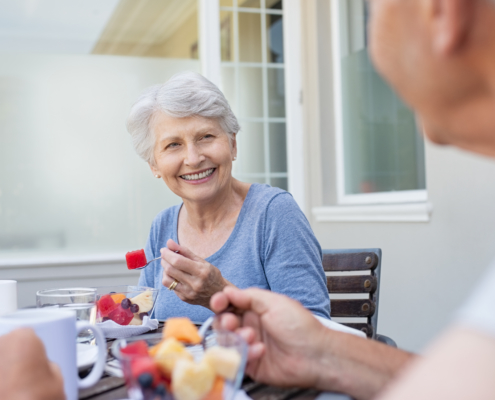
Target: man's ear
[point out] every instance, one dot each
(452, 22)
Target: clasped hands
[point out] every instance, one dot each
(197, 279)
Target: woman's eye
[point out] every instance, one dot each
(172, 145)
(207, 136)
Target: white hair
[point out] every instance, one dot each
(186, 94)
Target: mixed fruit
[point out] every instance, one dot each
(123, 310)
(168, 367)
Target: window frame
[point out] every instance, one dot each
(391, 197)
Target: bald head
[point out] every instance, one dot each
(439, 55)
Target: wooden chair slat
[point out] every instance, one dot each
(352, 308)
(352, 284)
(350, 261)
(366, 328)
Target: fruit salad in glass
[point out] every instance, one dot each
(178, 365)
(125, 305)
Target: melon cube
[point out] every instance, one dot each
(121, 316)
(225, 361)
(135, 259)
(105, 305)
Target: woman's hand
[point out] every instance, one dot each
(198, 279)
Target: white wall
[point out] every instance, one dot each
(428, 268)
(70, 182)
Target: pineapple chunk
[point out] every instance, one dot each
(144, 301)
(192, 381)
(225, 361)
(168, 352)
(135, 321)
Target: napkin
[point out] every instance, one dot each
(112, 330)
(339, 327)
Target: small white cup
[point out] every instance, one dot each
(58, 330)
(8, 297)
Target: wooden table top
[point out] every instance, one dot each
(113, 388)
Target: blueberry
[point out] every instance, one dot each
(125, 304)
(145, 380)
(160, 390)
(143, 314)
(135, 308)
(105, 319)
(113, 292)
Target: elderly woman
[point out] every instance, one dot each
(225, 232)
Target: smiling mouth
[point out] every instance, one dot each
(195, 177)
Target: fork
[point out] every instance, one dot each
(148, 263)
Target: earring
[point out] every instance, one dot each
(157, 176)
(235, 158)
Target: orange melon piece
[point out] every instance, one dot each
(216, 392)
(118, 297)
(181, 329)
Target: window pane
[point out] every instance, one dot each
(69, 178)
(250, 149)
(226, 36)
(273, 4)
(382, 149)
(251, 92)
(276, 92)
(249, 3)
(228, 87)
(280, 182)
(278, 148)
(275, 38)
(225, 3)
(249, 37)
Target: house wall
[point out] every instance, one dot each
(58, 215)
(428, 269)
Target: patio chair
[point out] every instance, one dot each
(352, 272)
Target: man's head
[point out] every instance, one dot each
(440, 56)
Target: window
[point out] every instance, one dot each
(252, 69)
(380, 154)
(69, 72)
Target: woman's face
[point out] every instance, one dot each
(193, 156)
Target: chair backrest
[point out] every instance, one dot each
(347, 261)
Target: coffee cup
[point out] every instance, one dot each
(58, 330)
(8, 296)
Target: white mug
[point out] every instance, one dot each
(58, 330)
(8, 297)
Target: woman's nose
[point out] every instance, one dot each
(193, 156)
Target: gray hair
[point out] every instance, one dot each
(186, 94)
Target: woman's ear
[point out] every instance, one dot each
(155, 172)
(452, 21)
(234, 146)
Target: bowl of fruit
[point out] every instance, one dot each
(180, 365)
(125, 305)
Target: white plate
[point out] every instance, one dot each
(86, 356)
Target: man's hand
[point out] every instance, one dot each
(26, 373)
(284, 337)
(290, 347)
(198, 279)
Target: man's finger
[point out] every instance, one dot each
(256, 300)
(219, 302)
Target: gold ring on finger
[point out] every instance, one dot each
(173, 285)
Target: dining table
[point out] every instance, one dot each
(111, 387)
